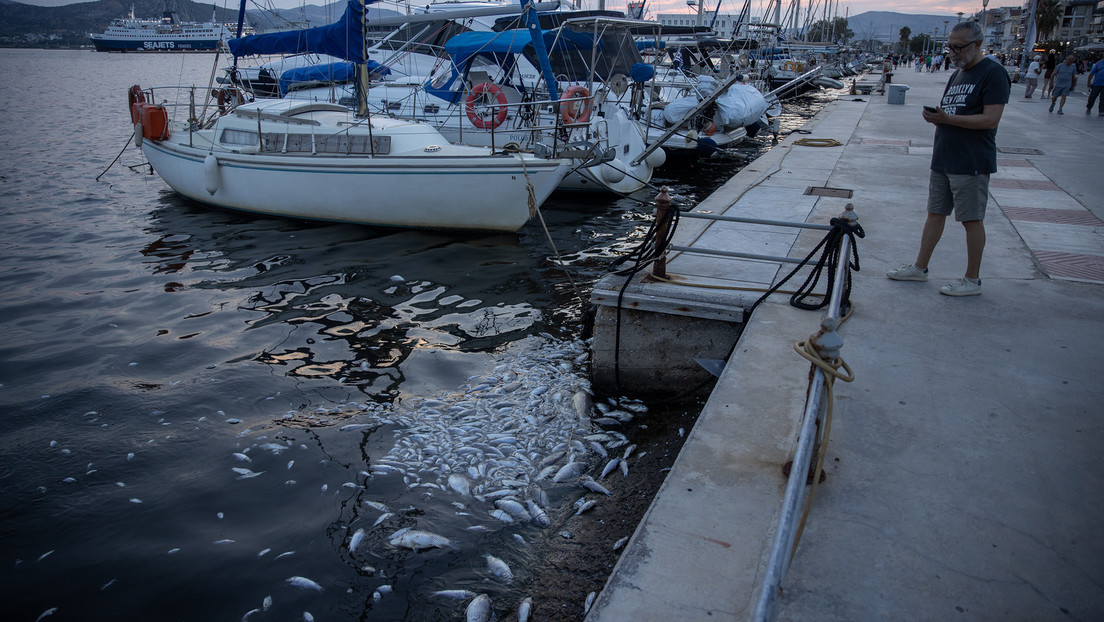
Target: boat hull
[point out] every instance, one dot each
(442, 193)
(154, 45)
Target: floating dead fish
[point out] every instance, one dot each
(625, 467)
(586, 506)
(620, 543)
(304, 583)
(454, 594)
(479, 609)
(356, 540)
(588, 482)
(49, 612)
(242, 457)
(307, 617)
(245, 618)
(628, 451)
(539, 515)
(382, 518)
(502, 516)
(525, 609)
(285, 554)
(244, 473)
(589, 602)
(266, 604)
(610, 467)
(514, 509)
(569, 471)
(417, 540)
(499, 569)
(460, 484)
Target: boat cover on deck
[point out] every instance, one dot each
(343, 38)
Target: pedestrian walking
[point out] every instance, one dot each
(1065, 79)
(1048, 72)
(963, 156)
(1034, 70)
(1096, 86)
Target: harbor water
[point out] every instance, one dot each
(215, 416)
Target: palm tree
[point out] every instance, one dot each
(905, 33)
(1047, 16)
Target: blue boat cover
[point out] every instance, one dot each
(343, 38)
(343, 71)
(497, 45)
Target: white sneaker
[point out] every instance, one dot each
(907, 272)
(961, 287)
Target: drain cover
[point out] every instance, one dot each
(824, 191)
(1020, 150)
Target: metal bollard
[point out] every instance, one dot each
(663, 207)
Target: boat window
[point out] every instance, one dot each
(336, 144)
(238, 137)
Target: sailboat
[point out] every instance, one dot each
(327, 162)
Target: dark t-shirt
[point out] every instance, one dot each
(961, 151)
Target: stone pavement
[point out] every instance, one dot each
(963, 478)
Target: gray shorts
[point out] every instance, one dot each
(965, 195)
(1059, 91)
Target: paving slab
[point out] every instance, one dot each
(962, 466)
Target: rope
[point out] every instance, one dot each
(818, 142)
(535, 209)
(125, 145)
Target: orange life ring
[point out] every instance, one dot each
(135, 96)
(576, 111)
(477, 93)
(710, 129)
(229, 98)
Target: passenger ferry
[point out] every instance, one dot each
(130, 34)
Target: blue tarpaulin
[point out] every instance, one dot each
(343, 71)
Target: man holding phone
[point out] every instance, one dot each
(963, 156)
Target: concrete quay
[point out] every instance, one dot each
(962, 468)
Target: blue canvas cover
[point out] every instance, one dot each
(343, 71)
(343, 38)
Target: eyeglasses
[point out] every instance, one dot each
(957, 49)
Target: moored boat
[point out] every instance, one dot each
(321, 162)
(131, 34)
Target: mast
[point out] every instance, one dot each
(532, 22)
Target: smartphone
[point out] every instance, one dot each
(930, 109)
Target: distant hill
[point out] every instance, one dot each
(886, 25)
(24, 25)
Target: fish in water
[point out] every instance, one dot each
(525, 609)
(569, 471)
(303, 583)
(460, 484)
(588, 482)
(479, 609)
(610, 467)
(417, 540)
(499, 569)
(356, 540)
(589, 602)
(454, 594)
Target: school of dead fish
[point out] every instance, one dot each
(497, 445)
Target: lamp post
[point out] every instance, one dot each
(960, 16)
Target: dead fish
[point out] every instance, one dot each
(499, 569)
(376, 505)
(589, 602)
(245, 617)
(266, 604)
(571, 470)
(525, 609)
(502, 516)
(479, 610)
(242, 457)
(628, 451)
(586, 506)
(610, 467)
(460, 484)
(588, 482)
(625, 467)
(382, 518)
(582, 403)
(454, 594)
(356, 540)
(303, 583)
(417, 540)
(307, 617)
(620, 543)
(514, 509)
(539, 515)
(49, 612)
(244, 473)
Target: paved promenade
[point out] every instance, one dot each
(964, 467)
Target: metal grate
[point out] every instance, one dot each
(824, 191)
(1020, 150)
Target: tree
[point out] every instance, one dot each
(833, 30)
(905, 33)
(920, 43)
(1047, 16)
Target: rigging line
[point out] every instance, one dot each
(537, 208)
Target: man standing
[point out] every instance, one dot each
(1096, 84)
(1034, 70)
(963, 157)
(1065, 79)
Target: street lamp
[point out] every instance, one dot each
(960, 16)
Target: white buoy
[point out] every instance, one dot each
(138, 134)
(612, 174)
(211, 173)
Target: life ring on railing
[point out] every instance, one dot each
(479, 92)
(577, 111)
(229, 99)
(135, 96)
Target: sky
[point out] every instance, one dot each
(852, 7)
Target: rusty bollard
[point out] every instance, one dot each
(663, 220)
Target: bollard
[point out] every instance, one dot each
(663, 207)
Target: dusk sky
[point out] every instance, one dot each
(854, 7)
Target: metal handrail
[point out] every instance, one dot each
(810, 442)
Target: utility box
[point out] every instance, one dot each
(897, 93)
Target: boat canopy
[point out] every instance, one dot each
(343, 39)
(498, 45)
(341, 71)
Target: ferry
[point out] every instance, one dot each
(130, 34)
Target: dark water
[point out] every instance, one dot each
(147, 340)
